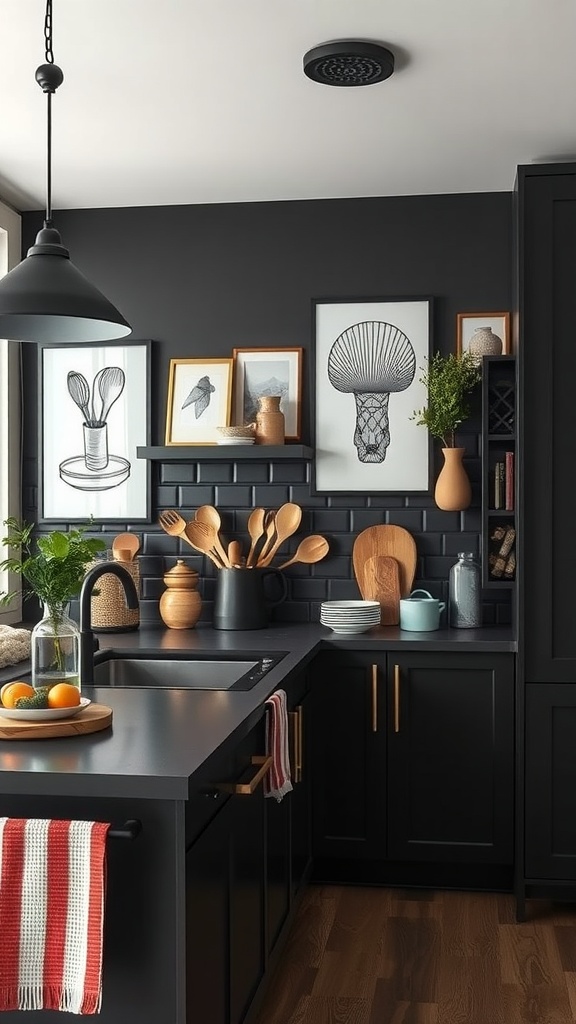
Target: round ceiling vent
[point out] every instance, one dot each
(349, 62)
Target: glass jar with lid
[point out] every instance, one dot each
(465, 592)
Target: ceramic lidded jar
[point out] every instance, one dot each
(270, 424)
(180, 604)
(485, 343)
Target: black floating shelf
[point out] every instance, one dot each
(499, 512)
(502, 438)
(227, 453)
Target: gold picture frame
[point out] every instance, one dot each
(199, 400)
(467, 323)
(264, 371)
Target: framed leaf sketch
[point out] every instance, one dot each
(269, 371)
(199, 400)
(94, 402)
(368, 359)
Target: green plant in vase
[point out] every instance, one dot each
(449, 381)
(53, 566)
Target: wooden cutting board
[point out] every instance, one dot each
(92, 719)
(380, 542)
(382, 583)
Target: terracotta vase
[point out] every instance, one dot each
(270, 425)
(453, 492)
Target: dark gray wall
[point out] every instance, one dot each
(200, 280)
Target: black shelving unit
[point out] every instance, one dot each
(499, 425)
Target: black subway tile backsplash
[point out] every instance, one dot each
(236, 488)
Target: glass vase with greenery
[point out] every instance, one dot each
(449, 380)
(53, 566)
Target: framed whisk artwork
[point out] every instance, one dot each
(368, 361)
(94, 413)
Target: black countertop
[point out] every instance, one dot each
(160, 737)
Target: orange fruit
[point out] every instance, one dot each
(63, 695)
(12, 691)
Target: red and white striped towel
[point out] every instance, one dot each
(277, 781)
(52, 876)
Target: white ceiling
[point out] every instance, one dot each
(205, 101)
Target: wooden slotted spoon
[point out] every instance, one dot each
(201, 537)
(209, 516)
(174, 524)
(310, 549)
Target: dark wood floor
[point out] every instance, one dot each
(390, 956)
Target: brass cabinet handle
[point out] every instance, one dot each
(374, 698)
(396, 698)
(248, 788)
(296, 757)
(300, 747)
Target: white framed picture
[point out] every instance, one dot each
(468, 323)
(94, 413)
(199, 400)
(369, 355)
(269, 371)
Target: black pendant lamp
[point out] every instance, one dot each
(45, 298)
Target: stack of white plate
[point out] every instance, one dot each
(350, 616)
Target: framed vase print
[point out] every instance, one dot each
(368, 359)
(94, 413)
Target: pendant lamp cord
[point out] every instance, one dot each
(49, 60)
(49, 77)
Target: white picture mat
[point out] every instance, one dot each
(497, 325)
(406, 466)
(62, 432)
(185, 428)
(255, 368)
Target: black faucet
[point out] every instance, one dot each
(86, 634)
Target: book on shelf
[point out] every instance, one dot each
(499, 485)
(509, 482)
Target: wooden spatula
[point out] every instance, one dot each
(381, 582)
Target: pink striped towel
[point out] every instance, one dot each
(277, 781)
(52, 876)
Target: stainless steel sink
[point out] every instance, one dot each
(197, 672)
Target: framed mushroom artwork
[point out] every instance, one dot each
(368, 362)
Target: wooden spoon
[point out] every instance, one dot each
(125, 542)
(310, 549)
(209, 516)
(235, 554)
(269, 529)
(201, 537)
(256, 530)
(287, 522)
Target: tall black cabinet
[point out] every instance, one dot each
(546, 235)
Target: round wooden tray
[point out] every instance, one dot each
(94, 718)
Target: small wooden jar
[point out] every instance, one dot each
(180, 604)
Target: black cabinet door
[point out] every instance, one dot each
(277, 866)
(348, 757)
(207, 925)
(300, 798)
(547, 356)
(550, 786)
(450, 757)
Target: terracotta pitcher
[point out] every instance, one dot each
(453, 492)
(270, 425)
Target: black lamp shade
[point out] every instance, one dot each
(46, 299)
